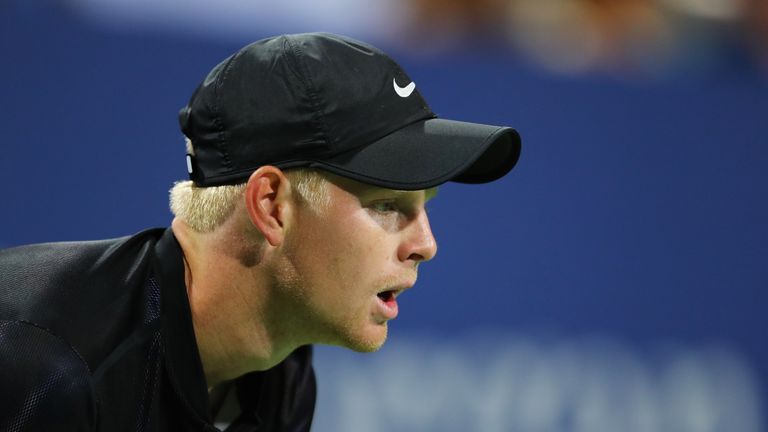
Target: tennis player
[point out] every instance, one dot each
(310, 160)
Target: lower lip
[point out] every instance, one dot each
(388, 308)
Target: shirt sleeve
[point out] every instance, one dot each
(46, 385)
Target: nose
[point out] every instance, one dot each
(419, 243)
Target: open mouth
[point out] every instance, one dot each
(388, 304)
(387, 296)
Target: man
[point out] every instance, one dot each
(311, 158)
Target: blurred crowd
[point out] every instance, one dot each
(645, 37)
(634, 36)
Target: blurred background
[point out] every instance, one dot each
(614, 281)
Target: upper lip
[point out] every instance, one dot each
(399, 288)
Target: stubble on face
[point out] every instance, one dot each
(335, 261)
(324, 275)
(349, 328)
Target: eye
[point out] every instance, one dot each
(384, 206)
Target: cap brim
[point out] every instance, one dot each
(429, 153)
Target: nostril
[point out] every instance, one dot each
(416, 257)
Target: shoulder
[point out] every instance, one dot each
(45, 381)
(93, 294)
(41, 282)
(42, 265)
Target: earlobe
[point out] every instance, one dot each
(266, 198)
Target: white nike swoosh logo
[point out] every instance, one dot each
(406, 91)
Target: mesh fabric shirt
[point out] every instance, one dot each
(98, 336)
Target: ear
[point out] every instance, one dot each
(268, 200)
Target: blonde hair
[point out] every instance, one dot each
(205, 208)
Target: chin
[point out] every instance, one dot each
(370, 341)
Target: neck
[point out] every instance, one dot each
(231, 305)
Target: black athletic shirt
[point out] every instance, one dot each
(98, 336)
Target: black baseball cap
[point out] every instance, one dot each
(330, 102)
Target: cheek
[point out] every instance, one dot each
(355, 238)
(368, 247)
(354, 261)
(351, 271)
(344, 252)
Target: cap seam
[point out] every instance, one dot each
(313, 94)
(218, 120)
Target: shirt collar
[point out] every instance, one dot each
(182, 362)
